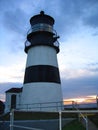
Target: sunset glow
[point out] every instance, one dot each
(82, 100)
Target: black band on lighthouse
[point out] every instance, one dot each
(42, 73)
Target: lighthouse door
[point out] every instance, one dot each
(13, 101)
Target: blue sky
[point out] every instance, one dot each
(76, 22)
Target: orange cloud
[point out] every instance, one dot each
(82, 100)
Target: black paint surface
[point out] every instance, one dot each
(42, 73)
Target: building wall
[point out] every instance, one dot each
(8, 101)
(42, 55)
(44, 96)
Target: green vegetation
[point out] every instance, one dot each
(49, 115)
(74, 125)
(37, 115)
(30, 116)
(94, 119)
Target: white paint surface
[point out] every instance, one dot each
(8, 100)
(44, 94)
(41, 94)
(42, 55)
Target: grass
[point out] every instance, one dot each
(74, 125)
(30, 116)
(45, 115)
(37, 115)
(94, 119)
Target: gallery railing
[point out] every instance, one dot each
(48, 106)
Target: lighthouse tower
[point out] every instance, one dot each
(42, 85)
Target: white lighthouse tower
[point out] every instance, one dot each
(42, 85)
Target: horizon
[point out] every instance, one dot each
(91, 99)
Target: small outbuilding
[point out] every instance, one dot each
(13, 98)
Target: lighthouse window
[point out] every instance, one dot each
(27, 43)
(42, 27)
(56, 43)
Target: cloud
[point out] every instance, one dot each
(14, 25)
(69, 72)
(73, 14)
(7, 85)
(93, 67)
(92, 16)
(68, 14)
(79, 82)
(92, 20)
(14, 20)
(12, 73)
(8, 5)
(80, 86)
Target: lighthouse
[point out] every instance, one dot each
(42, 84)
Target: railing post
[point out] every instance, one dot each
(86, 123)
(11, 119)
(60, 120)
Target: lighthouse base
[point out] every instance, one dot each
(41, 97)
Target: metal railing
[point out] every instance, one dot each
(59, 118)
(80, 114)
(27, 43)
(12, 126)
(46, 106)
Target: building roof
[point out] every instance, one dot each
(14, 90)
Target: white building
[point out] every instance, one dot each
(13, 98)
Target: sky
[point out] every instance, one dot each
(76, 22)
